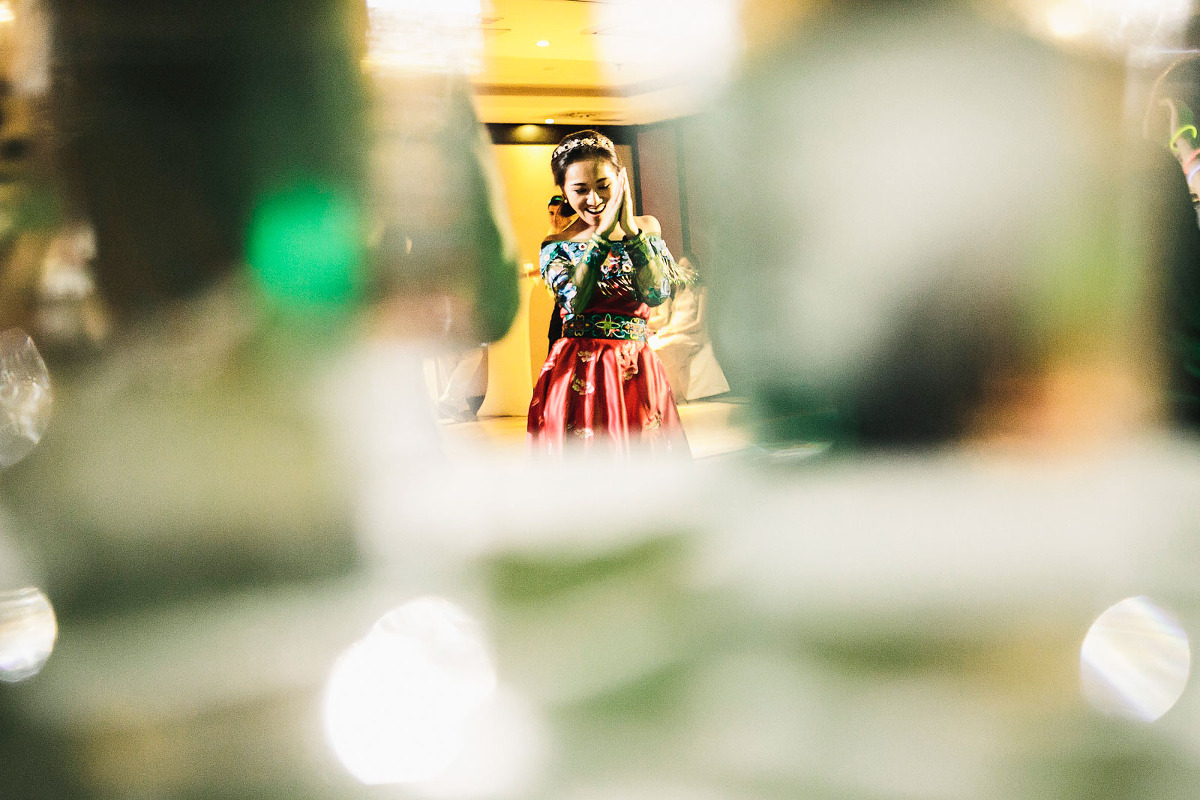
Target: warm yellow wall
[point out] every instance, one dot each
(525, 170)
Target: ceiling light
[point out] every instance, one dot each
(527, 133)
(549, 122)
(543, 43)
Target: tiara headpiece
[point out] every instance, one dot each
(599, 142)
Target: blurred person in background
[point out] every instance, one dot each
(1170, 127)
(561, 217)
(1171, 117)
(561, 214)
(466, 384)
(679, 335)
(902, 287)
(204, 471)
(601, 385)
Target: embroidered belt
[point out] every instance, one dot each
(605, 326)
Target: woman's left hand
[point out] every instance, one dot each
(626, 216)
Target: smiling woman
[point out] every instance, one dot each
(601, 382)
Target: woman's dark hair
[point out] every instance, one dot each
(580, 146)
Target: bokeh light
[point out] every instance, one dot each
(399, 702)
(1116, 25)
(1135, 661)
(25, 399)
(305, 245)
(28, 630)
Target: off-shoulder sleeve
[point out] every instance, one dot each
(572, 280)
(653, 268)
(556, 272)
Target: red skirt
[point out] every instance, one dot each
(610, 394)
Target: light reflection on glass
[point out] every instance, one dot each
(24, 396)
(1135, 661)
(1118, 25)
(399, 702)
(28, 630)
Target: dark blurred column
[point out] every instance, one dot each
(179, 119)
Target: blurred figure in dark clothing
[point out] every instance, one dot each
(561, 216)
(1180, 283)
(1170, 127)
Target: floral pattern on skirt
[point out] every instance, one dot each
(606, 394)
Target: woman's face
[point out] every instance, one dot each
(588, 186)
